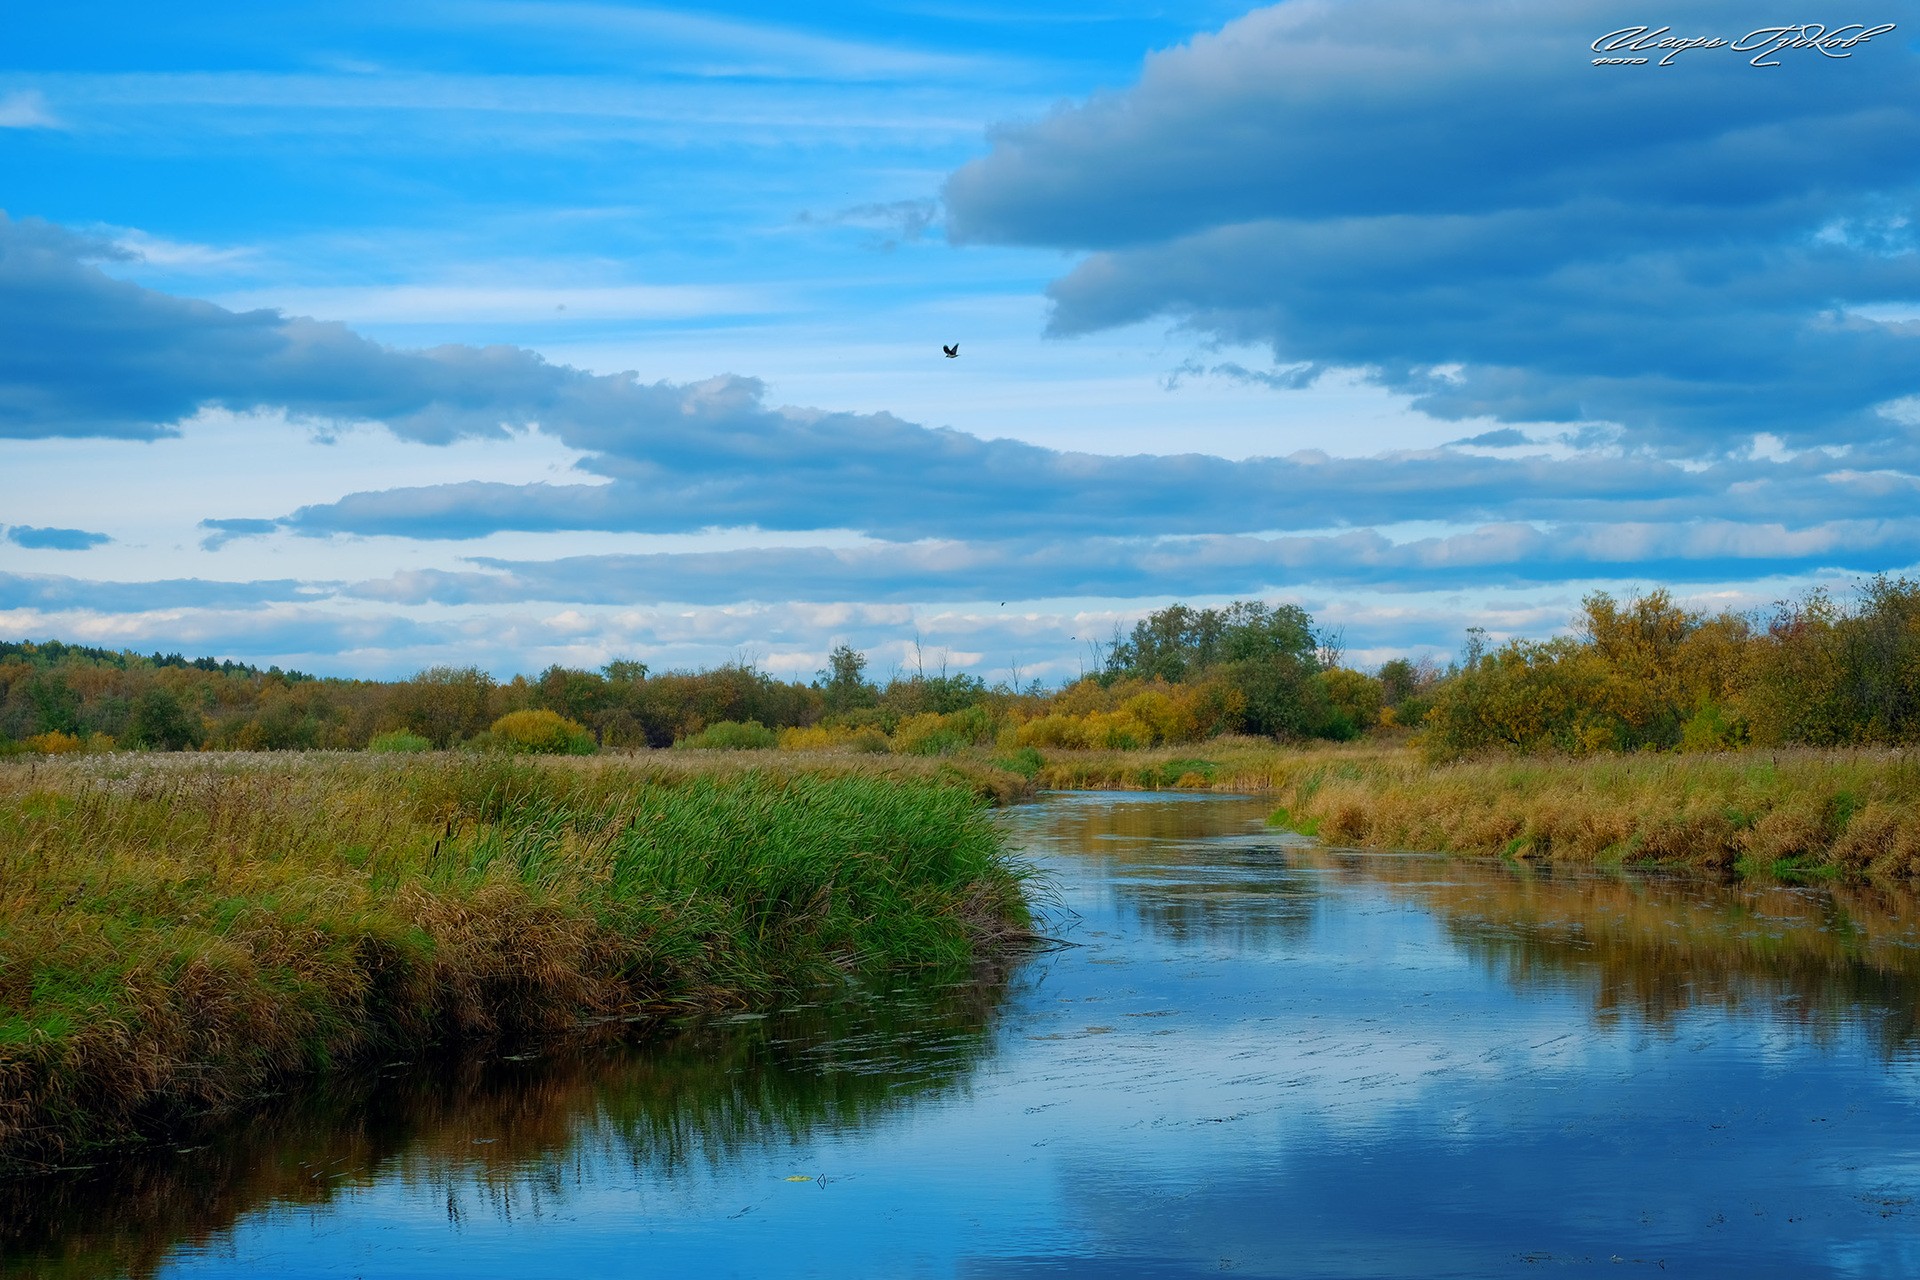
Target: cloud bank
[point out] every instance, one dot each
(1454, 198)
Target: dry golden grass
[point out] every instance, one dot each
(1228, 763)
(1793, 811)
(1786, 812)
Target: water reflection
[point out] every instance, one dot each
(1654, 947)
(1648, 946)
(1186, 868)
(512, 1135)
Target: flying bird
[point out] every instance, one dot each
(953, 352)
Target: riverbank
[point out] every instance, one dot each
(1787, 813)
(178, 933)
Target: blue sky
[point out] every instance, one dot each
(366, 337)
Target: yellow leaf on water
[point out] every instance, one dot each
(799, 1177)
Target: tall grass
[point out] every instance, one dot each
(1801, 812)
(1228, 763)
(178, 933)
(1789, 813)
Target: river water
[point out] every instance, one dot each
(1254, 1058)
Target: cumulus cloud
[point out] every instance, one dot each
(222, 531)
(40, 538)
(949, 516)
(1455, 199)
(90, 355)
(94, 355)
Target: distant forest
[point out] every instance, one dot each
(1636, 674)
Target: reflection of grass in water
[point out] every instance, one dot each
(1186, 868)
(176, 935)
(492, 1137)
(1655, 947)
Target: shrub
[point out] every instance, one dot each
(540, 732)
(1353, 695)
(933, 734)
(1117, 731)
(1052, 730)
(813, 737)
(732, 735)
(399, 740)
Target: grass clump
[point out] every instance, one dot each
(398, 742)
(176, 935)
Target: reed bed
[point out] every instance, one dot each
(1230, 763)
(1787, 813)
(178, 934)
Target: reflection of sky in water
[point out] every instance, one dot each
(1258, 1060)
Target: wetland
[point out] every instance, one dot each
(1246, 1054)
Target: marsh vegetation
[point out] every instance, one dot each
(179, 933)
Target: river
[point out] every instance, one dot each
(1249, 1056)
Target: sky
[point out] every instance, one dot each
(361, 338)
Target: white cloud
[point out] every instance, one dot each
(504, 303)
(162, 252)
(27, 109)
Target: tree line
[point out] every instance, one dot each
(1636, 674)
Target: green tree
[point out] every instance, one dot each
(575, 695)
(844, 681)
(160, 723)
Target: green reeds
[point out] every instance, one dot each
(177, 933)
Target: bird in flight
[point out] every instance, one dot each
(953, 352)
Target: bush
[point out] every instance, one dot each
(540, 732)
(54, 743)
(400, 740)
(732, 735)
(1352, 695)
(1052, 730)
(934, 734)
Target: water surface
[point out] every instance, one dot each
(1256, 1058)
